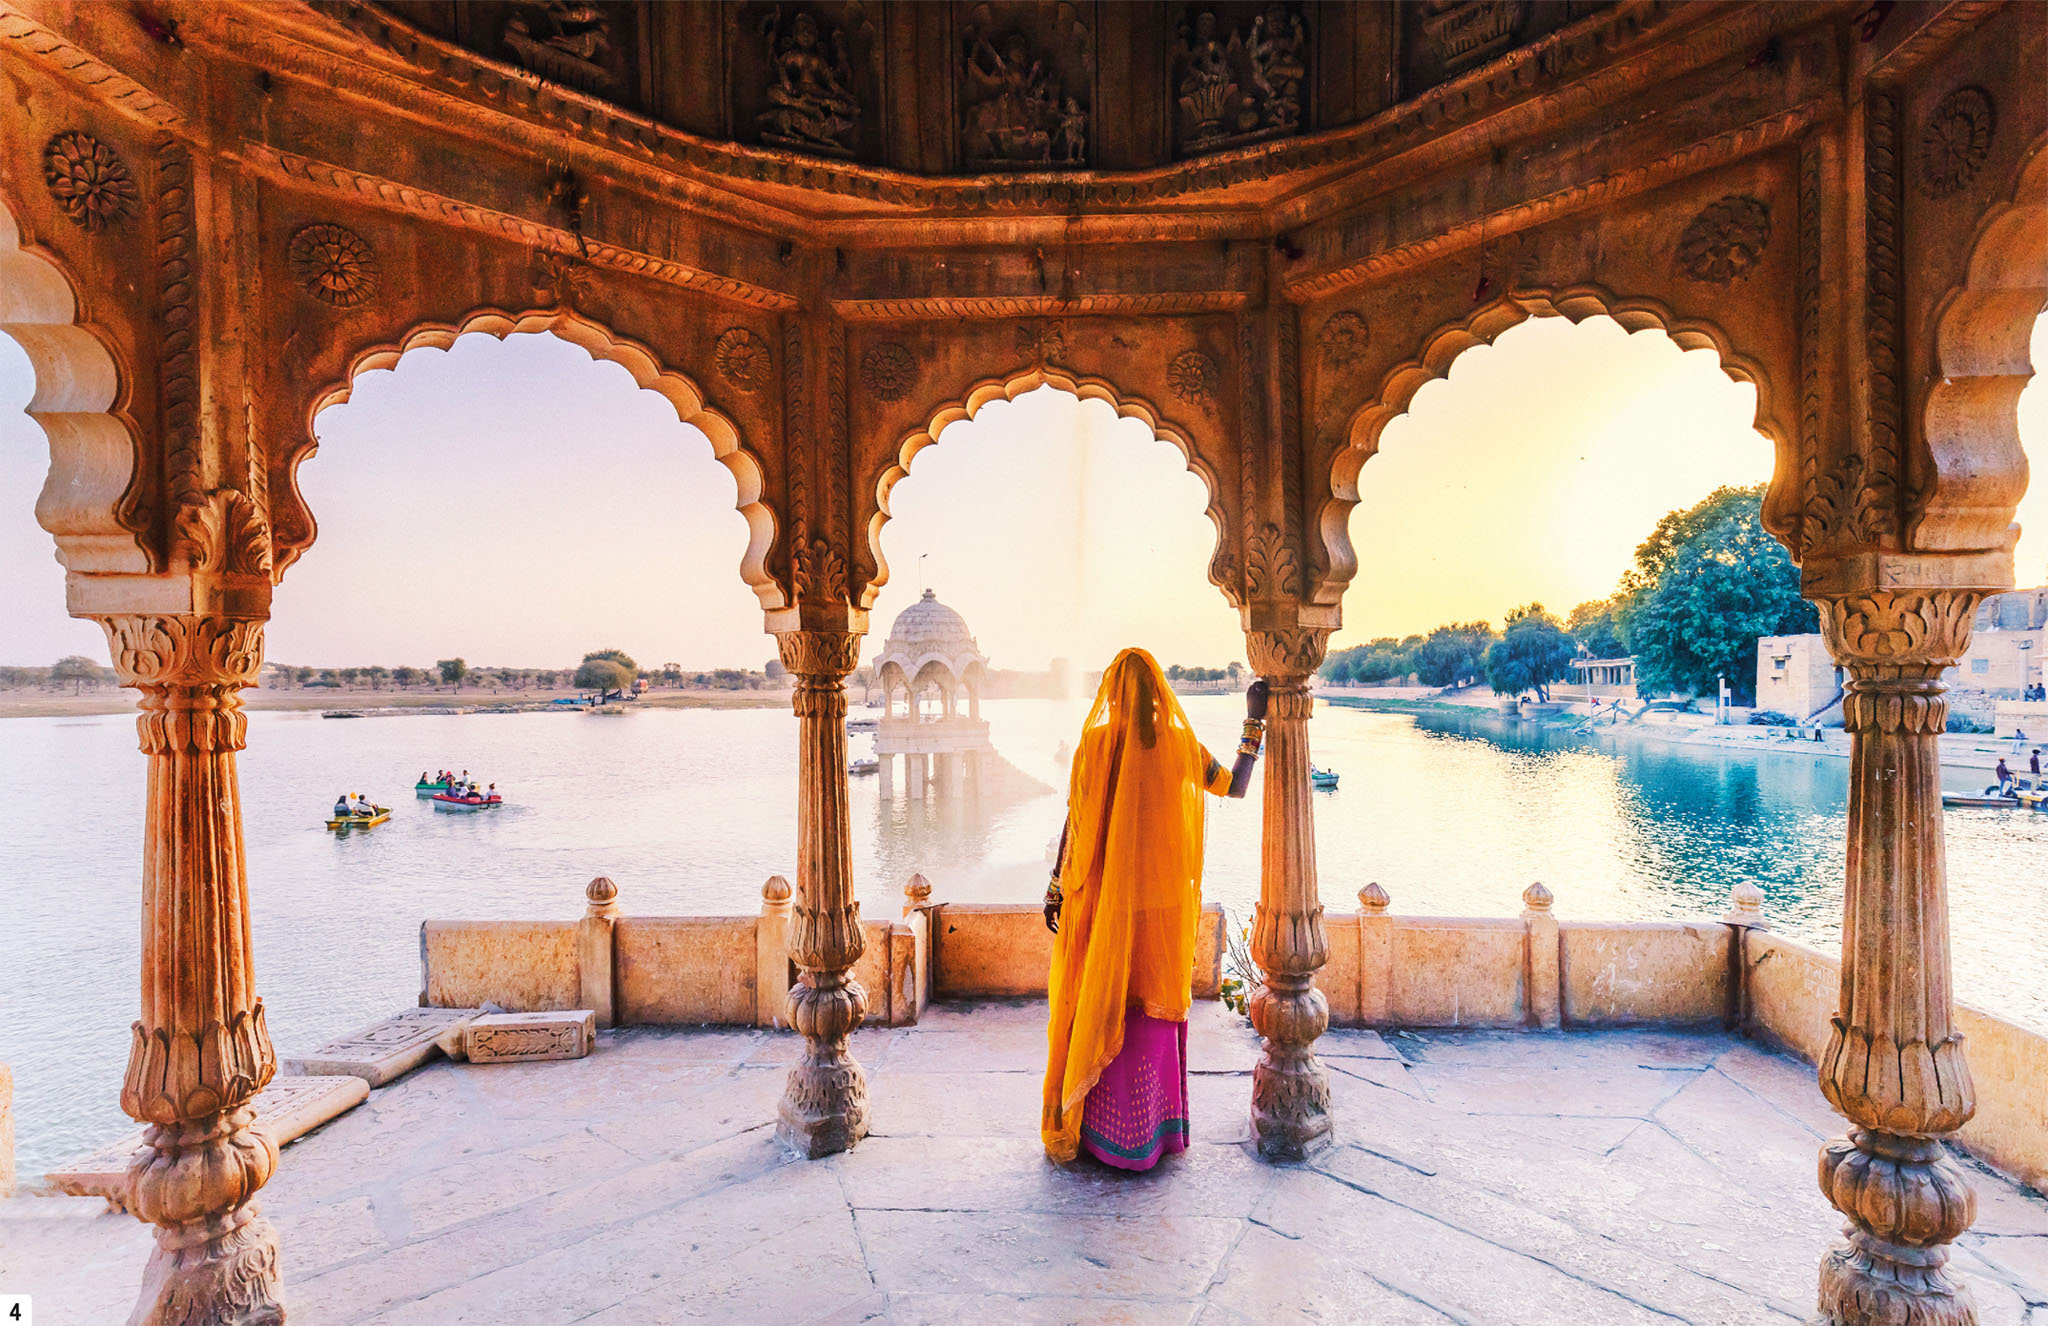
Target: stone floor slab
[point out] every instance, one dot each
(1483, 1178)
(385, 1050)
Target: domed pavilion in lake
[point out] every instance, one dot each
(933, 667)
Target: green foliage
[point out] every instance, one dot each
(79, 670)
(1383, 660)
(1707, 582)
(1597, 626)
(1240, 973)
(1453, 655)
(1533, 652)
(452, 670)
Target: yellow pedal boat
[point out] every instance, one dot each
(360, 821)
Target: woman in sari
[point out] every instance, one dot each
(1122, 907)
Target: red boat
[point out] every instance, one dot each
(472, 801)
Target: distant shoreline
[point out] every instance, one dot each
(120, 700)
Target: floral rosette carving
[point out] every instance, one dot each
(742, 359)
(1954, 141)
(1343, 339)
(887, 371)
(333, 263)
(1726, 240)
(88, 181)
(1193, 377)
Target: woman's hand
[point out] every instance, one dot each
(1255, 698)
(1052, 914)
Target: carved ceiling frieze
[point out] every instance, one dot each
(1955, 140)
(1041, 342)
(333, 263)
(1027, 79)
(89, 181)
(1726, 240)
(1237, 79)
(815, 77)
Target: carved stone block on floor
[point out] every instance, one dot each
(386, 1050)
(288, 1108)
(503, 1038)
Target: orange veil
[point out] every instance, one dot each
(1132, 878)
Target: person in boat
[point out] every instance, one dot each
(343, 807)
(491, 794)
(2004, 777)
(2034, 763)
(1122, 906)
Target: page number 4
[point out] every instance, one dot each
(16, 1310)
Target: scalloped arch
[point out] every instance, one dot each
(595, 339)
(78, 383)
(969, 404)
(1983, 363)
(1483, 327)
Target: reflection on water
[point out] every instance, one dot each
(690, 810)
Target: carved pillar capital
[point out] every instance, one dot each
(820, 658)
(1290, 654)
(191, 671)
(1894, 1061)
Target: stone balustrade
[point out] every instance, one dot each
(1534, 972)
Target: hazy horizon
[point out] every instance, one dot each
(518, 505)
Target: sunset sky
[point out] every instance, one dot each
(518, 504)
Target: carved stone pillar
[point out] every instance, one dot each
(825, 1108)
(201, 1051)
(1894, 1062)
(1290, 1090)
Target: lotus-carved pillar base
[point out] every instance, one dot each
(200, 1050)
(825, 1107)
(1894, 1061)
(1290, 1089)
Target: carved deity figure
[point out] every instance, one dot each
(1278, 68)
(814, 107)
(1207, 92)
(1019, 110)
(566, 40)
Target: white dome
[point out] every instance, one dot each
(929, 626)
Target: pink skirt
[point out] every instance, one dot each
(1138, 1112)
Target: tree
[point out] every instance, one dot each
(303, 675)
(406, 676)
(452, 671)
(607, 671)
(1596, 626)
(77, 669)
(1710, 580)
(1452, 655)
(349, 676)
(1533, 652)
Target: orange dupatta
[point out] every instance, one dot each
(1132, 880)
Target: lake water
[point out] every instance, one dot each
(690, 810)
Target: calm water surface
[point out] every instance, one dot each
(690, 810)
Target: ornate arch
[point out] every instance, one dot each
(597, 340)
(1577, 303)
(969, 404)
(86, 500)
(1982, 363)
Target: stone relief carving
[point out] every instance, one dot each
(1955, 141)
(1270, 564)
(742, 359)
(1023, 107)
(817, 571)
(1193, 376)
(1041, 342)
(1239, 85)
(1464, 33)
(224, 531)
(1725, 240)
(89, 181)
(557, 279)
(566, 40)
(333, 263)
(887, 371)
(1343, 339)
(812, 107)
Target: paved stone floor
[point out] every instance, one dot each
(1588, 1179)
